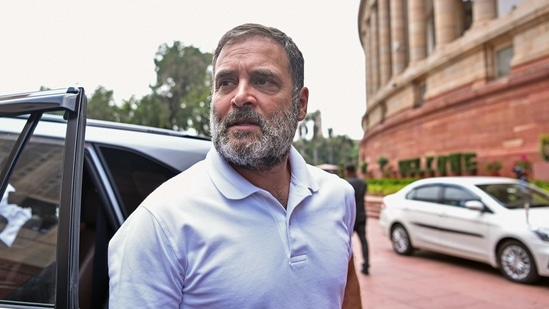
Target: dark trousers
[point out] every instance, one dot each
(360, 229)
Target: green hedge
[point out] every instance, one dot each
(386, 186)
(542, 184)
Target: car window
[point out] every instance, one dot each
(95, 232)
(134, 175)
(40, 189)
(29, 219)
(456, 196)
(430, 193)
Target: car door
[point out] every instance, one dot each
(422, 213)
(115, 181)
(463, 231)
(40, 185)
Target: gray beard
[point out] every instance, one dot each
(256, 152)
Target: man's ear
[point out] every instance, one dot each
(303, 102)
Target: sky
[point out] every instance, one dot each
(57, 44)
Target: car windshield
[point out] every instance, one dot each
(514, 195)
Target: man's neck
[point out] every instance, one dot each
(276, 180)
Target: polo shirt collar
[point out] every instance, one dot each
(233, 186)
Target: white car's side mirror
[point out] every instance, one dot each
(474, 205)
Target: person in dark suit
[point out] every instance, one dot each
(360, 187)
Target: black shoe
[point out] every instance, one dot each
(365, 271)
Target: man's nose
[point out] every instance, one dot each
(244, 95)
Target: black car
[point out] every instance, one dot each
(67, 184)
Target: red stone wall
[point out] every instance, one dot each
(498, 120)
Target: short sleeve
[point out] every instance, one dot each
(144, 269)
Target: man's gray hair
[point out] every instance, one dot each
(245, 31)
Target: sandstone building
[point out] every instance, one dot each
(450, 77)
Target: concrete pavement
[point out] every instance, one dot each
(429, 280)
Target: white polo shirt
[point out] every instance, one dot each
(208, 238)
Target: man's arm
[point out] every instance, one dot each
(352, 299)
(143, 278)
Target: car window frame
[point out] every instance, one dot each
(73, 103)
(106, 190)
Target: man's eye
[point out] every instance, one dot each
(262, 81)
(223, 83)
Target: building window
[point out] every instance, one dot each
(503, 57)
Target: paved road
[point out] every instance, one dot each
(428, 280)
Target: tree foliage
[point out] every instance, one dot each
(101, 105)
(180, 100)
(148, 111)
(338, 150)
(183, 84)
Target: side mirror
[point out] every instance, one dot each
(475, 205)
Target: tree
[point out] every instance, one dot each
(337, 150)
(149, 111)
(382, 162)
(101, 105)
(183, 84)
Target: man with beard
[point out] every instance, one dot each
(253, 225)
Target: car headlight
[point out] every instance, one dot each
(543, 233)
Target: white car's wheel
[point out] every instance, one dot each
(516, 262)
(401, 240)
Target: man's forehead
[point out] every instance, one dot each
(258, 46)
(250, 44)
(250, 37)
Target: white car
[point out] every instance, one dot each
(500, 221)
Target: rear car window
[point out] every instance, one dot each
(134, 175)
(425, 193)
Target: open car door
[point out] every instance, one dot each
(40, 190)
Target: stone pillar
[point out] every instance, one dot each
(374, 46)
(445, 21)
(385, 70)
(367, 62)
(483, 11)
(417, 30)
(398, 36)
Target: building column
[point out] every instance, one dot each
(445, 21)
(374, 47)
(483, 11)
(367, 62)
(398, 36)
(385, 70)
(417, 30)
